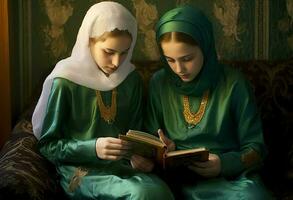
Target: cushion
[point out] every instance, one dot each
(24, 173)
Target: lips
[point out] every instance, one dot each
(185, 76)
(110, 69)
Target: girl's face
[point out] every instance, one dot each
(185, 60)
(110, 53)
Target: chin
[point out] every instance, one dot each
(110, 72)
(185, 79)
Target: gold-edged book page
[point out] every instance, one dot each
(177, 158)
(185, 151)
(145, 147)
(201, 151)
(139, 136)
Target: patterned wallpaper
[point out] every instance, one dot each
(242, 27)
(44, 32)
(281, 29)
(234, 31)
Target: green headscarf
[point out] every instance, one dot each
(192, 22)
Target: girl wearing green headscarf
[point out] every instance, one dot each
(194, 101)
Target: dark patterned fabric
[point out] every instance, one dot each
(27, 175)
(273, 87)
(24, 173)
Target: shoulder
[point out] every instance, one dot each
(134, 76)
(133, 81)
(59, 82)
(159, 76)
(233, 76)
(158, 81)
(237, 83)
(233, 73)
(63, 84)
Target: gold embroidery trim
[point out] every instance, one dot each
(194, 118)
(250, 158)
(76, 178)
(108, 113)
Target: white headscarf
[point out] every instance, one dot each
(80, 67)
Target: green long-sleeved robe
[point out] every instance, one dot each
(71, 127)
(230, 128)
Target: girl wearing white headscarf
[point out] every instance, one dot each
(87, 100)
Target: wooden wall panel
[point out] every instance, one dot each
(5, 116)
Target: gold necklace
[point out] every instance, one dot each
(194, 118)
(108, 113)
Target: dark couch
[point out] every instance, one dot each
(27, 175)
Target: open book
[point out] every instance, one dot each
(150, 146)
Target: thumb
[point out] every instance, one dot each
(162, 136)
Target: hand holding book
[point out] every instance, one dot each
(169, 143)
(142, 164)
(211, 168)
(110, 148)
(150, 146)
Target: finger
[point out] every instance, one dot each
(117, 146)
(144, 162)
(161, 133)
(113, 140)
(135, 158)
(138, 164)
(162, 136)
(200, 164)
(119, 141)
(134, 162)
(141, 158)
(126, 143)
(111, 152)
(111, 157)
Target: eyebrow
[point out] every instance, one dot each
(179, 57)
(113, 50)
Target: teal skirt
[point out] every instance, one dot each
(186, 185)
(112, 180)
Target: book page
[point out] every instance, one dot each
(145, 148)
(139, 136)
(185, 157)
(186, 152)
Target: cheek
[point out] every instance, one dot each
(100, 58)
(123, 58)
(172, 66)
(196, 66)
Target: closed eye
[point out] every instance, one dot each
(170, 60)
(187, 58)
(109, 52)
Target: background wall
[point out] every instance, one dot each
(44, 31)
(5, 102)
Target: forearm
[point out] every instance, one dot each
(68, 151)
(234, 162)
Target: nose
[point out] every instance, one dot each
(179, 67)
(116, 60)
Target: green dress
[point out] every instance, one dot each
(71, 127)
(230, 127)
